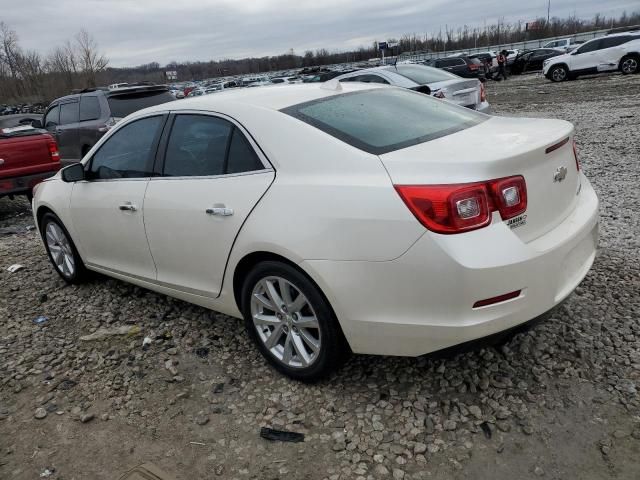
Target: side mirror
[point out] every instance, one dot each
(73, 173)
(36, 123)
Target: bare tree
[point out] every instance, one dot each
(89, 59)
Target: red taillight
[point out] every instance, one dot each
(464, 207)
(510, 196)
(473, 66)
(483, 93)
(54, 154)
(575, 154)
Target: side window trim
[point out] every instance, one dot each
(156, 141)
(168, 127)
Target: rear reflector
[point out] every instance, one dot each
(498, 299)
(556, 146)
(464, 207)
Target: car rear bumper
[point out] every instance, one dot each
(23, 184)
(424, 300)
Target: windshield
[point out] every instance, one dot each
(383, 120)
(123, 105)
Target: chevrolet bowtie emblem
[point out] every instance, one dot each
(560, 175)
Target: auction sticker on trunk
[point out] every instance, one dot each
(516, 222)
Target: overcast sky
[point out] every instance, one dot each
(133, 32)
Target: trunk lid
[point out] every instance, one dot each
(501, 147)
(461, 92)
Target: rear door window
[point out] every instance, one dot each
(590, 46)
(609, 42)
(89, 108)
(197, 146)
(203, 145)
(123, 104)
(68, 113)
(383, 120)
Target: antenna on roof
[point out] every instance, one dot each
(333, 84)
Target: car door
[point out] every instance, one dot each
(213, 175)
(67, 131)
(107, 207)
(585, 58)
(610, 52)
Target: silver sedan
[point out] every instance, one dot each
(432, 81)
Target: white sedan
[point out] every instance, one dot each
(335, 218)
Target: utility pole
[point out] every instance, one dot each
(548, 11)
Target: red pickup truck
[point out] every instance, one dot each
(27, 156)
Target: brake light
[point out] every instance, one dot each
(458, 208)
(575, 154)
(483, 93)
(54, 154)
(473, 66)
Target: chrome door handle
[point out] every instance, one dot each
(128, 207)
(222, 211)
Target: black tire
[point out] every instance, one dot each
(333, 349)
(629, 64)
(559, 73)
(79, 274)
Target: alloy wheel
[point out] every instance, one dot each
(559, 74)
(60, 249)
(285, 322)
(630, 65)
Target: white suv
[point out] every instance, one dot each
(620, 51)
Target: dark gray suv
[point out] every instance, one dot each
(77, 121)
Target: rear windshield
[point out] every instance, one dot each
(423, 75)
(382, 120)
(123, 105)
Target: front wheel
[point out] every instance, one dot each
(61, 249)
(291, 322)
(629, 65)
(559, 73)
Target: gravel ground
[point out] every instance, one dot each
(558, 400)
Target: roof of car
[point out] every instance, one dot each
(274, 97)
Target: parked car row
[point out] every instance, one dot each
(22, 108)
